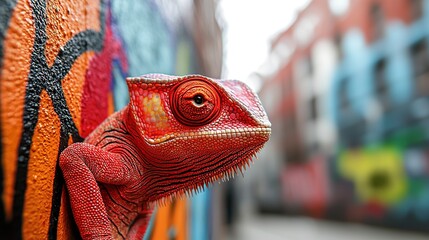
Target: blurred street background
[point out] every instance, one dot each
(304, 228)
(346, 86)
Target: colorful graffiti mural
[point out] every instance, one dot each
(63, 69)
(378, 175)
(360, 98)
(387, 183)
(378, 108)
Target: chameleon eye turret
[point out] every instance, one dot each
(195, 102)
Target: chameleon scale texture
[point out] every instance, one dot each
(177, 135)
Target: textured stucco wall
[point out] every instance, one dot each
(63, 69)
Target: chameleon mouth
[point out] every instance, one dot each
(226, 133)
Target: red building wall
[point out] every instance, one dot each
(359, 15)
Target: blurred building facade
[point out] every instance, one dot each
(347, 92)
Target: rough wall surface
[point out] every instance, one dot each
(62, 72)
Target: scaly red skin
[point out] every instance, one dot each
(177, 134)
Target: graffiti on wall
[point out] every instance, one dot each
(63, 65)
(389, 185)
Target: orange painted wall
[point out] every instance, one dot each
(56, 85)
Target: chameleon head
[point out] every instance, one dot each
(194, 130)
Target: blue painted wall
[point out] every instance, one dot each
(153, 44)
(395, 142)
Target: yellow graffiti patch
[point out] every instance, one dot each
(378, 174)
(154, 110)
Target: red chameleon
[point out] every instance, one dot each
(177, 135)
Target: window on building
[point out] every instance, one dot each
(416, 9)
(380, 84)
(351, 126)
(343, 97)
(307, 65)
(313, 108)
(338, 48)
(377, 21)
(292, 147)
(420, 61)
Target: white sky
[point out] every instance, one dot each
(250, 25)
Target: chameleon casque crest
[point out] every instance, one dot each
(176, 135)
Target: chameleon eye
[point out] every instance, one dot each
(195, 102)
(198, 99)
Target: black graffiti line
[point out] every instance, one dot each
(57, 190)
(43, 77)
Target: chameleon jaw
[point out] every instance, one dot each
(225, 133)
(221, 175)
